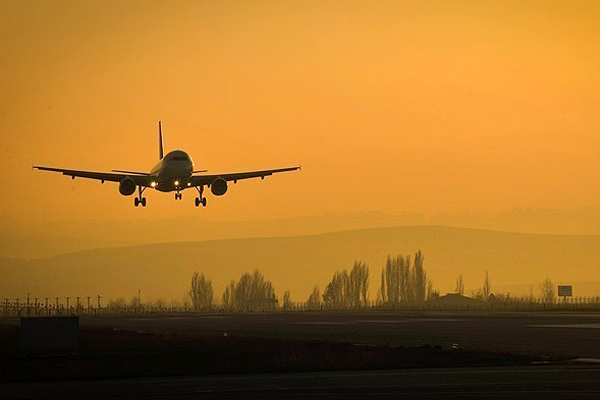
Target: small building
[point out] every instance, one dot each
(454, 298)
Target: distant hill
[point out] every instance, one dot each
(298, 263)
(36, 239)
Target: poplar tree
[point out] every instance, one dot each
(314, 300)
(201, 292)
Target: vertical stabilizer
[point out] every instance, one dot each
(160, 145)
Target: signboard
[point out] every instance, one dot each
(565, 291)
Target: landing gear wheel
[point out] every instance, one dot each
(140, 200)
(204, 202)
(197, 201)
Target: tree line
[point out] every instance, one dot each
(403, 280)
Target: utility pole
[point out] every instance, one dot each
(77, 309)
(98, 304)
(68, 304)
(88, 304)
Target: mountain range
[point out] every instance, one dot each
(297, 263)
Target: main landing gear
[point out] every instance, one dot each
(178, 196)
(140, 200)
(200, 199)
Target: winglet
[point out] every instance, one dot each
(160, 142)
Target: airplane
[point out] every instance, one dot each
(173, 173)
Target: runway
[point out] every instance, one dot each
(537, 382)
(545, 334)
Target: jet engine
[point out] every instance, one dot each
(127, 186)
(218, 187)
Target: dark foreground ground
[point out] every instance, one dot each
(499, 357)
(109, 353)
(549, 382)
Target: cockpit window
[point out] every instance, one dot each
(179, 158)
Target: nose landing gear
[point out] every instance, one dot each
(140, 200)
(200, 199)
(178, 196)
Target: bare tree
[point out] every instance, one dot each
(160, 304)
(252, 291)
(358, 285)
(119, 305)
(547, 291)
(135, 303)
(287, 301)
(336, 292)
(201, 292)
(228, 295)
(390, 280)
(430, 291)
(314, 300)
(401, 282)
(419, 277)
(382, 288)
(406, 290)
(486, 290)
(460, 285)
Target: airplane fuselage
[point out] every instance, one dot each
(173, 172)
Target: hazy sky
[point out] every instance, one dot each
(396, 106)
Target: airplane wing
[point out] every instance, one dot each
(140, 180)
(199, 180)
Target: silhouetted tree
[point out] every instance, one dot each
(390, 280)
(382, 295)
(201, 292)
(419, 277)
(160, 304)
(547, 291)
(287, 301)
(228, 295)
(406, 290)
(460, 285)
(135, 303)
(433, 294)
(401, 282)
(430, 292)
(252, 291)
(358, 285)
(336, 291)
(314, 300)
(117, 305)
(486, 290)
(348, 289)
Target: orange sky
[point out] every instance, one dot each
(396, 106)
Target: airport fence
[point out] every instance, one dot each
(92, 306)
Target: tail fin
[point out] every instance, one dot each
(160, 144)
